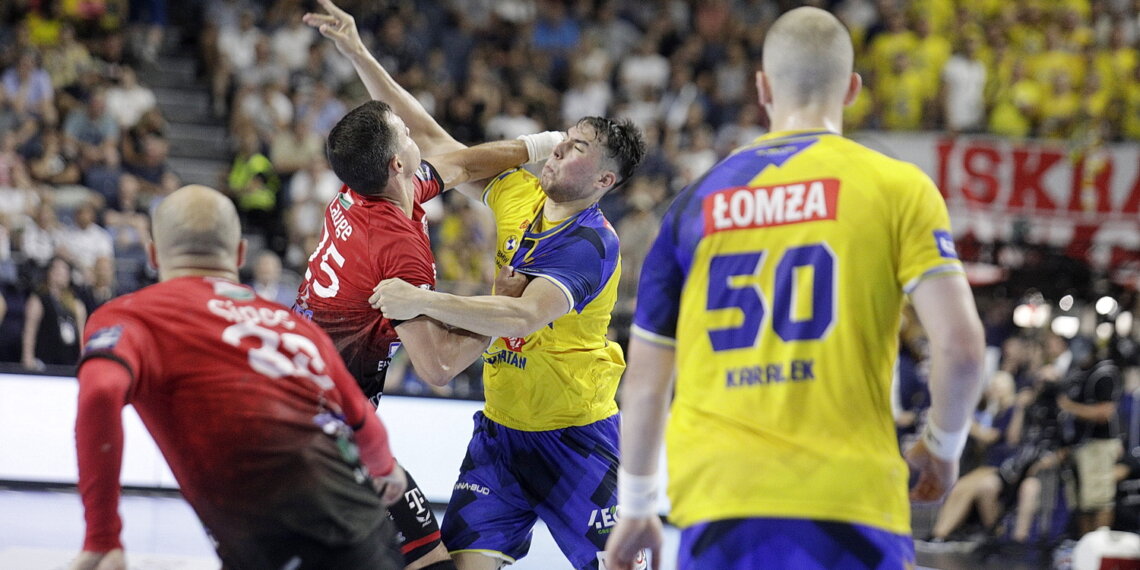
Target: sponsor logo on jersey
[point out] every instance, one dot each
(603, 520)
(514, 343)
(416, 502)
(506, 357)
(473, 487)
(233, 291)
(104, 339)
(345, 199)
(945, 244)
(769, 206)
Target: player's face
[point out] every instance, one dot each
(575, 166)
(409, 151)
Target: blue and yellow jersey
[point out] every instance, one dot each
(566, 373)
(779, 278)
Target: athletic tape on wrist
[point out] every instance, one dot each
(945, 445)
(540, 145)
(637, 495)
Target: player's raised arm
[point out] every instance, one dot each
(480, 162)
(439, 352)
(340, 27)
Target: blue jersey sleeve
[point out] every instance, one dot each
(659, 287)
(580, 262)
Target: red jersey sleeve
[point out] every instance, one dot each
(113, 359)
(103, 386)
(371, 436)
(428, 182)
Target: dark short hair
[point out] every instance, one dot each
(622, 141)
(360, 147)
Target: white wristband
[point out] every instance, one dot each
(637, 495)
(945, 445)
(540, 145)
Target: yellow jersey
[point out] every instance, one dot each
(566, 373)
(779, 277)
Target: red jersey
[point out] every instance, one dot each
(249, 404)
(364, 241)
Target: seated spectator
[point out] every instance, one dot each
(53, 165)
(310, 190)
(294, 148)
(29, 87)
(85, 242)
(152, 170)
(290, 43)
(41, 233)
(53, 320)
(128, 101)
(94, 135)
(266, 108)
(65, 61)
(271, 282)
(322, 109)
(102, 288)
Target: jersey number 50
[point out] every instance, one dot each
(750, 299)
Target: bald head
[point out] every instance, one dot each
(808, 58)
(196, 228)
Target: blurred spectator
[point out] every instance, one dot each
(93, 135)
(266, 108)
(271, 282)
(290, 43)
(39, 238)
(323, 109)
(29, 87)
(1059, 114)
(64, 61)
(512, 122)
(253, 184)
(901, 94)
(963, 89)
(1091, 401)
(85, 242)
(53, 319)
(310, 190)
(295, 147)
(128, 100)
(645, 69)
(638, 229)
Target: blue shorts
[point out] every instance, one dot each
(744, 544)
(510, 478)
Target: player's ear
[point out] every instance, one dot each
(243, 248)
(152, 254)
(763, 91)
(396, 164)
(854, 85)
(606, 179)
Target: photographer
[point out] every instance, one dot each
(1090, 402)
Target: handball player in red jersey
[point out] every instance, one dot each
(268, 435)
(373, 230)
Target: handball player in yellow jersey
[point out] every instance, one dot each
(773, 293)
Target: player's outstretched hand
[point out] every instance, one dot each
(510, 283)
(391, 486)
(111, 560)
(338, 26)
(629, 538)
(934, 476)
(397, 299)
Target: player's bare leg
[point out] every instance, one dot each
(477, 561)
(436, 555)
